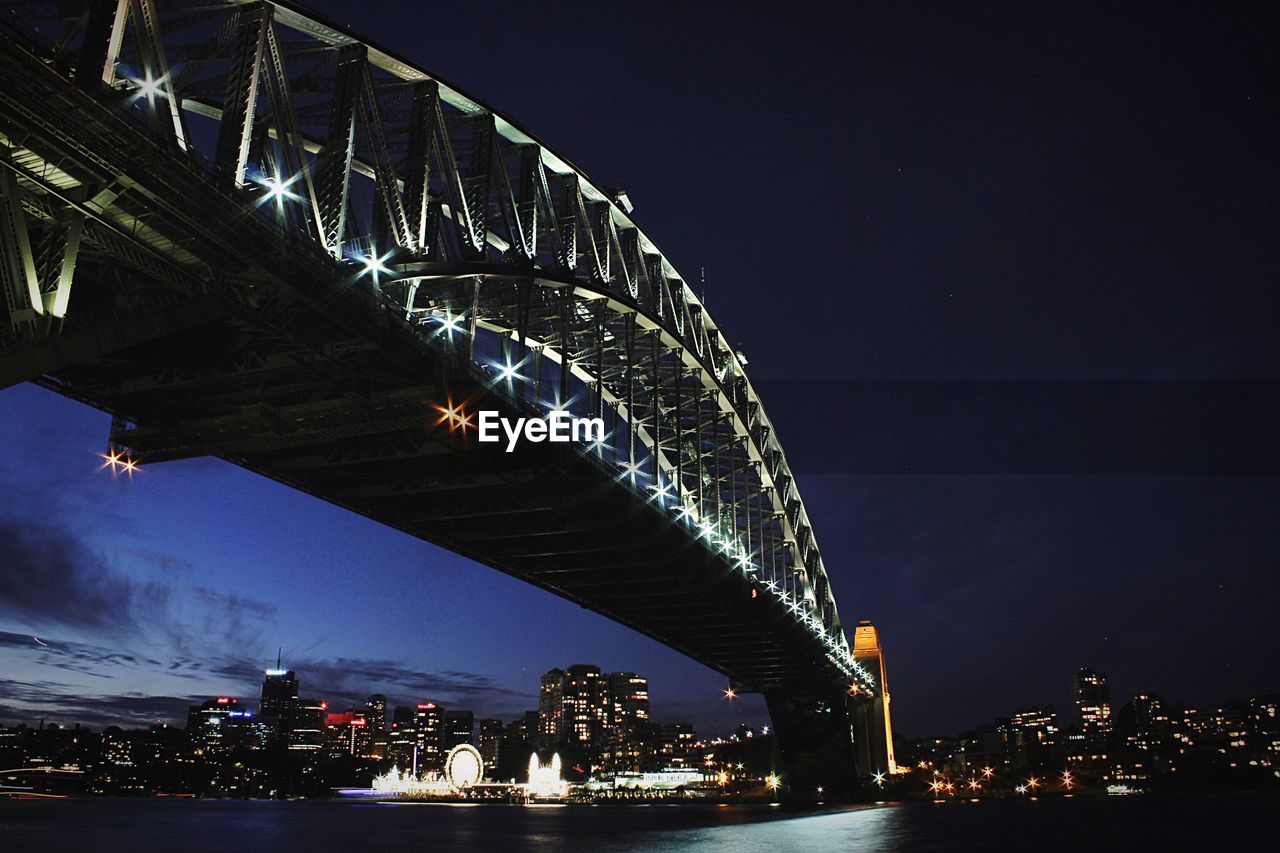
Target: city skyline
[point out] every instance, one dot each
(983, 583)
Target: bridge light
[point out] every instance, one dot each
(449, 324)
(509, 371)
(772, 781)
(278, 191)
(119, 463)
(149, 88)
(879, 777)
(630, 469)
(730, 694)
(374, 265)
(455, 416)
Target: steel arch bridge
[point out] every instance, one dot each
(247, 232)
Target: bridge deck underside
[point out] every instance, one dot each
(260, 351)
(545, 513)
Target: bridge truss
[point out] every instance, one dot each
(378, 183)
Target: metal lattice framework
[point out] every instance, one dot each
(466, 228)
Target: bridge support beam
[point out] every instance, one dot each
(815, 746)
(59, 350)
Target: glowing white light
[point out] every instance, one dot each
(545, 781)
(463, 767)
(149, 88)
(631, 469)
(374, 265)
(278, 191)
(661, 493)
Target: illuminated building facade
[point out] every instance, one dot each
(428, 736)
(587, 710)
(303, 726)
(376, 713)
(873, 727)
(678, 746)
(348, 734)
(629, 697)
(1030, 738)
(551, 728)
(1093, 704)
(220, 724)
(627, 743)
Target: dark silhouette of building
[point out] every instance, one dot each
(459, 728)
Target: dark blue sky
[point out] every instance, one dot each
(880, 193)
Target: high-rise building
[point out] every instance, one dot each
(629, 695)
(551, 728)
(428, 731)
(873, 727)
(587, 710)
(459, 728)
(348, 734)
(1029, 737)
(303, 725)
(677, 746)
(491, 740)
(402, 739)
(218, 725)
(627, 742)
(1093, 704)
(375, 711)
(279, 692)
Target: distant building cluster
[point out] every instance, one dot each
(292, 745)
(602, 719)
(1146, 743)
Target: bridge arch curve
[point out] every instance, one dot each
(449, 218)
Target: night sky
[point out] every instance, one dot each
(1083, 200)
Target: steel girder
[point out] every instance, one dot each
(463, 221)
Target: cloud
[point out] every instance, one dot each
(85, 658)
(30, 701)
(345, 681)
(49, 576)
